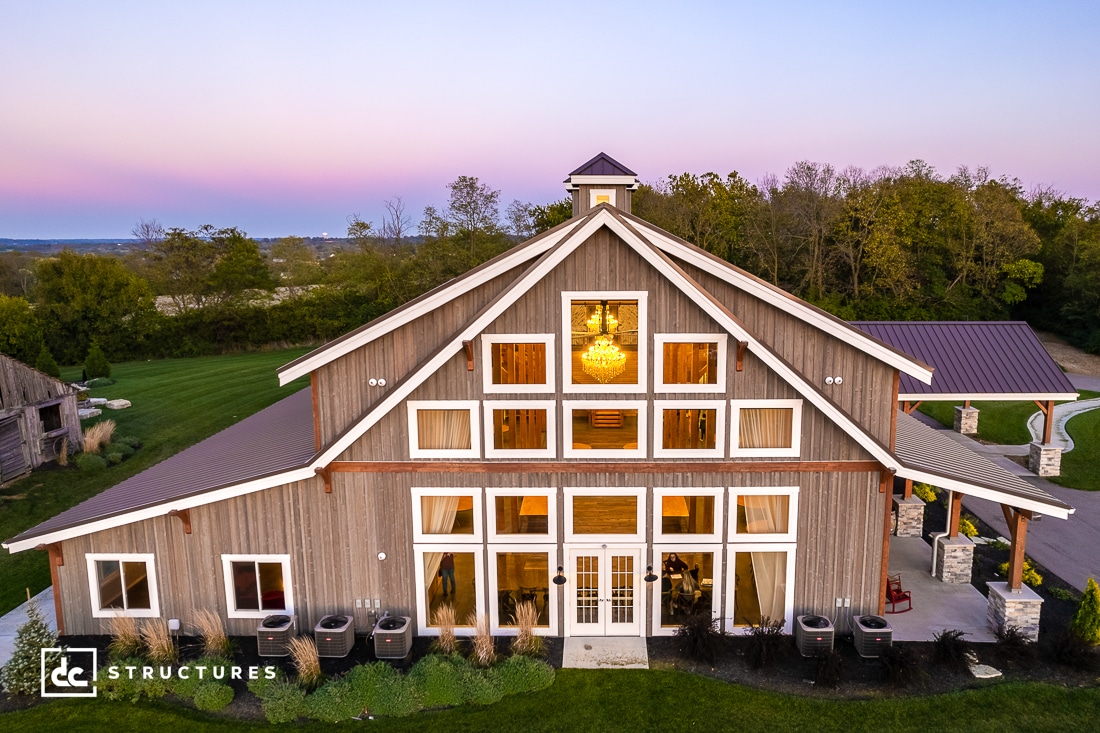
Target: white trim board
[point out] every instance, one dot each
(993, 396)
(983, 492)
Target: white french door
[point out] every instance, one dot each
(603, 594)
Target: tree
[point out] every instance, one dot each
(395, 222)
(20, 333)
(96, 364)
(207, 267)
(22, 674)
(148, 233)
(518, 215)
(550, 215)
(1086, 621)
(239, 267)
(46, 364)
(293, 265)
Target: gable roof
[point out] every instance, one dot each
(975, 360)
(602, 165)
(21, 384)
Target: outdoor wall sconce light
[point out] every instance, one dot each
(559, 579)
(381, 556)
(650, 576)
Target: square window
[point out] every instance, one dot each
(690, 429)
(766, 428)
(446, 514)
(690, 362)
(122, 585)
(605, 335)
(763, 514)
(604, 429)
(522, 515)
(443, 429)
(687, 514)
(520, 430)
(257, 585)
(517, 363)
(604, 514)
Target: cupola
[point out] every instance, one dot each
(602, 180)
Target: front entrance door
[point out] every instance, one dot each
(604, 596)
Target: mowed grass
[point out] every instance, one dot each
(638, 701)
(176, 403)
(1004, 423)
(1081, 466)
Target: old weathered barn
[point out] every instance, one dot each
(37, 414)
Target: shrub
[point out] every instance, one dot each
(699, 637)
(1070, 650)
(925, 492)
(1000, 545)
(126, 440)
(213, 696)
(767, 643)
(46, 364)
(396, 698)
(112, 457)
(951, 650)
(1031, 575)
(439, 680)
(526, 642)
(1062, 594)
(90, 462)
(282, 701)
(303, 652)
(333, 701)
(158, 642)
(481, 688)
(262, 685)
(98, 435)
(188, 687)
(1086, 621)
(63, 452)
(444, 618)
(483, 653)
(899, 664)
(152, 688)
(123, 688)
(519, 674)
(1016, 648)
(116, 447)
(830, 669)
(209, 627)
(127, 639)
(967, 527)
(96, 364)
(21, 674)
(369, 682)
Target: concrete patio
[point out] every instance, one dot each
(936, 605)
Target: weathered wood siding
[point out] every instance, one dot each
(23, 391)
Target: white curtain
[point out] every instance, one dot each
(766, 514)
(443, 429)
(765, 427)
(770, 571)
(437, 516)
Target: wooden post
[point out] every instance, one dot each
(1048, 422)
(1017, 525)
(908, 489)
(956, 513)
(894, 412)
(966, 404)
(885, 479)
(57, 560)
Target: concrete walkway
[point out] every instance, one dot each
(11, 621)
(1059, 438)
(605, 652)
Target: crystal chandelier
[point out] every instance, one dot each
(603, 360)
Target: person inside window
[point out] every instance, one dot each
(674, 565)
(447, 572)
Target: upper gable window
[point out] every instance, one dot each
(518, 363)
(520, 429)
(766, 428)
(694, 362)
(444, 429)
(690, 429)
(602, 196)
(606, 335)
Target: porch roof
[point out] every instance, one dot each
(928, 456)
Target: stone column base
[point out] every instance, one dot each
(954, 559)
(1018, 608)
(1044, 460)
(966, 420)
(910, 513)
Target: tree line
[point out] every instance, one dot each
(891, 244)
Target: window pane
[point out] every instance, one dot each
(687, 514)
(766, 427)
(449, 581)
(245, 587)
(689, 429)
(50, 417)
(522, 515)
(605, 514)
(518, 363)
(763, 514)
(447, 514)
(272, 593)
(760, 585)
(110, 583)
(690, 363)
(522, 577)
(443, 429)
(136, 576)
(687, 585)
(604, 341)
(605, 429)
(519, 429)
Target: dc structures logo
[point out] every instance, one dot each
(69, 672)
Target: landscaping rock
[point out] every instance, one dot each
(984, 671)
(89, 413)
(97, 401)
(117, 404)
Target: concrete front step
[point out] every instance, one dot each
(605, 652)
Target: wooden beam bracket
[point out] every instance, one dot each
(741, 347)
(325, 472)
(184, 516)
(57, 558)
(469, 346)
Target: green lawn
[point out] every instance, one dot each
(1080, 466)
(644, 700)
(176, 402)
(1004, 423)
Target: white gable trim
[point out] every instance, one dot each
(445, 295)
(787, 303)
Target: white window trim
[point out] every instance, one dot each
(567, 344)
(487, 341)
(551, 449)
(419, 535)
(716, 589)
(230, 591)
(659, 341)
(423, 629)
(551, 551)
(93, 583)
(731, 568)
(659, 493)
(551, 516)
(567, 423)
(792, 517)
(475, 435)
(638, 536)
(719, 449)
(595, 192)
(796, 430)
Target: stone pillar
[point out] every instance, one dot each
(1044, 460)
(910, 514)
(954, 559)
(1018, 608)
(966, 420)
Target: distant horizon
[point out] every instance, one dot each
(287, 119)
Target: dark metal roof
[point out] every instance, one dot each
(974, 357)
(276, 439)
(603, 165)
(925, 449)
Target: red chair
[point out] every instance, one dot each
(895, 595)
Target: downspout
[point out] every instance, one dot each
(936, 537)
